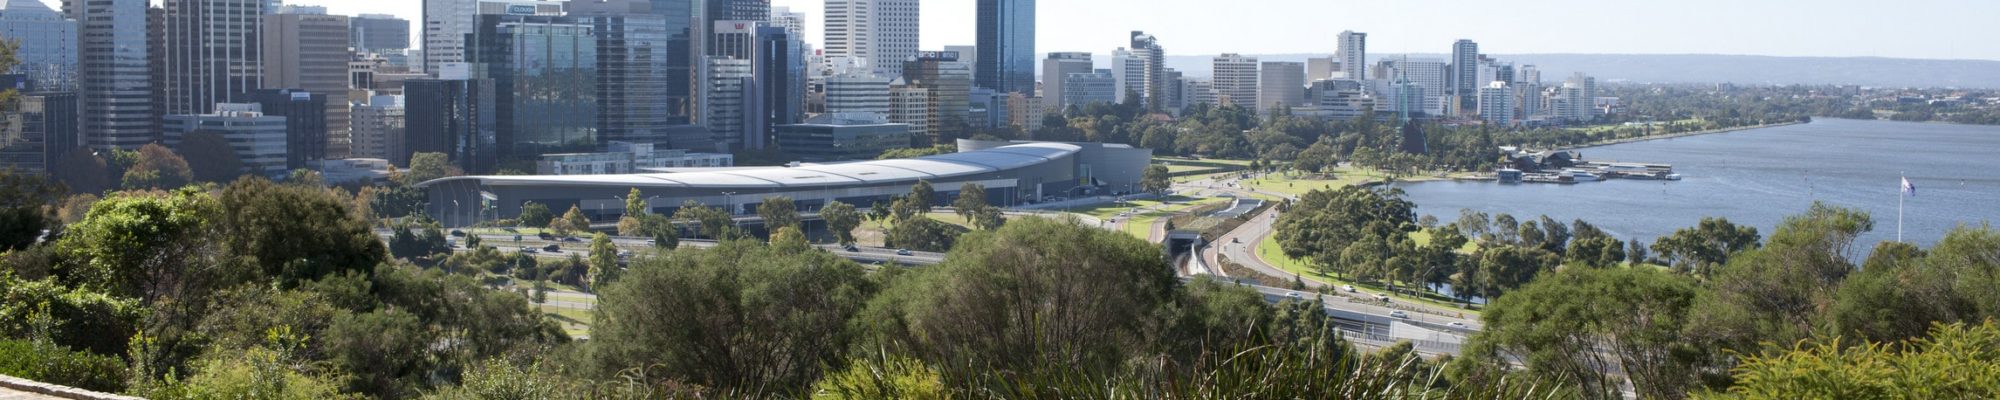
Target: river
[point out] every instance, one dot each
(1759, 177)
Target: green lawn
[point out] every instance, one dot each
(1141, 225)
(1291, 184)
(574, 322)
(1423, 238)
(1272, 254)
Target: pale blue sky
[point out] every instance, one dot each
(1947, 29)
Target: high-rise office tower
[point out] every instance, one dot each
(116, 85)
(949, 83)
(379, 33)
(310, 53)
(305, 115)
(214, 53)
(1465, 73)
(1235, 80)
(634, 71)
(1153, 69)
(1353, 55)
(39, 130)
(1131, 74)
(454, 116)
(794, 22)
(1281, 84)
(1198, 91)
(1175, 98)
(781, 72)
(881, 33)
(1427, 74)
(1055, 71)
(857, 93)
(1006, 53)
(447, 22)
(259, 140)
(379, 127)
(1318, 68)
(732, 101)
(1086, 88)
(1529, 74)
(48, 43)
(544, 72)
(1496, 104)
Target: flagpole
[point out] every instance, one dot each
(1901, 196)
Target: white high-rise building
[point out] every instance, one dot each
(1496, 104)
(881, 32)
(911, 105)
(1235, 80)
(1578, 99)
(1086, 88)
(1198, 91)
(857, 93)
(1427, 73)
(1130, 72)
(1281, 85)
(1529, 74)
(1152, 68)
(115, 75)
(1353, 55)
(794, 22)
(378, 127)
(446, 22)
(1318, 68)
(1464, 71)
(1055, 72)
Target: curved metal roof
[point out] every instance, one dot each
(936, 167)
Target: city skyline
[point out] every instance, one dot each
(1827, 29)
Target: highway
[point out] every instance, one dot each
(506, 243)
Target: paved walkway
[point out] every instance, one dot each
(10, 394)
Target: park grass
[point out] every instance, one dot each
(1272, 254)
(574, 322)
(1141, 225)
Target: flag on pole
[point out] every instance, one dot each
(1909, 189)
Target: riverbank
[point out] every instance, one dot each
(1674, 135)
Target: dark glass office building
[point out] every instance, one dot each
(781, 66)
(544, 72)
(450, 116)
(41, 129)
(634, 61)
(305, 122)
(1006, 60)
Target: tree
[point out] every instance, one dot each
(1325, 223)
(157, 168)
(922, 197)
(1955, 361)
(1701, 249)
(571, 221)
(1320, 157)
(1577, 326)
(305, 177)
(841, 219)
(210, 157)
(603, 261)
(971, 199)
(1778, 293)
(426, 167)
(635, 205)
(990, 218)
(138, 245)
(742, 316)
(630, 224)
(382, 349)
(535, 215)
(22, 198)
(714, 223)
(922, 233)
(83, 172)
(1474, 223)
(879, 212)
(778, 213)
(1011, 300)
(1156, 180)
(297, 233)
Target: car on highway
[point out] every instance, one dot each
(552, 248)
(905, 252)
(1236, 240)
(517, 238)
(545, 236)
(624, 254)
(1294, 296)
(527, 250)
(1399, 314)
(1459, 325)
(457, 233)
(852, 249)
(572, 239)
(1347, 288)
(1382, 298)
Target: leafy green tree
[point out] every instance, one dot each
(879, 212)
(58, 364)
(83, 171)
(535, 215)
(1323, 224)
(778, 213)
(297, 233)
(1013, 300)
(1320, 157)
(742, 316)
(1596, 252)
(426, 167)
(714, 222)
(841, 219)
(399, 202)
(922, 233)
(1474, 223)
(971, 199)
(73, 317)
(136, 245)
(1508, 267)
(1700, 250)
(1577, 326)
(1156, 180)
(158, 168)
(1779, 293)
(990, 218)
(1955, 362)
(381, 352)
(210, 157)
(631, 223)
(922, 197)
(603, 261)
(22, 198)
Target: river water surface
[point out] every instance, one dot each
(1758, 177)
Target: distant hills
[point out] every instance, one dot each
(1704, 68)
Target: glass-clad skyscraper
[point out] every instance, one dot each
(544, 72)
(48, 44)
(1006, 46)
